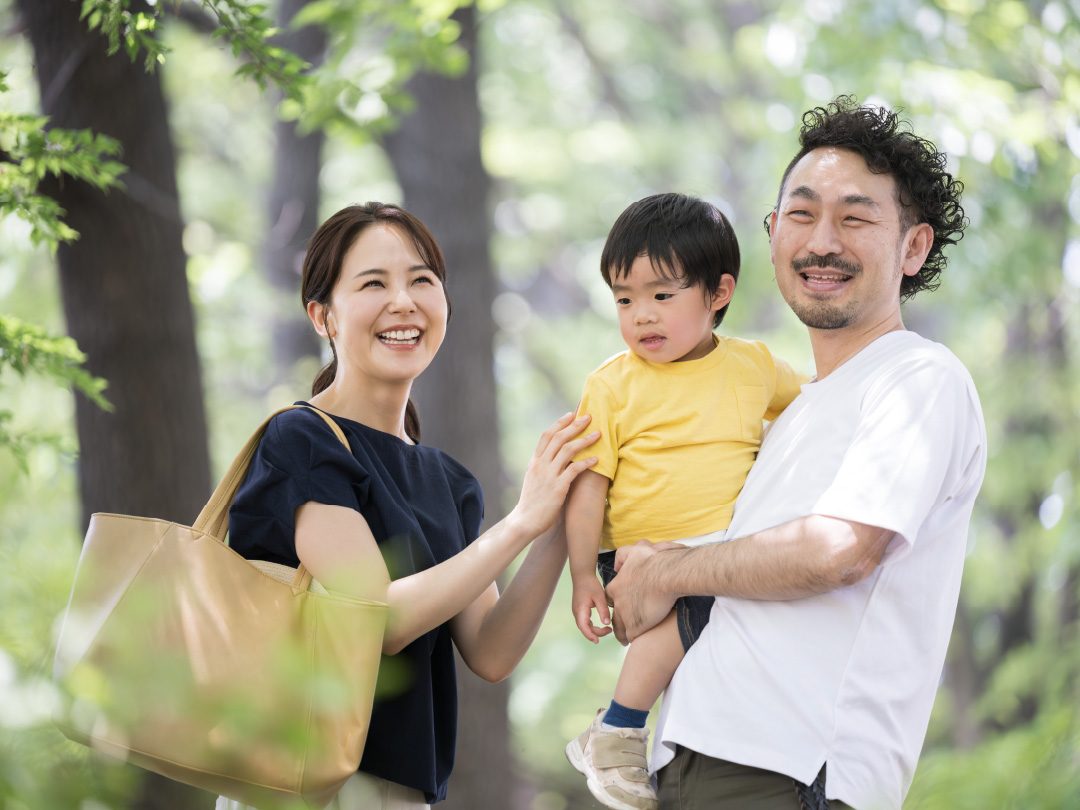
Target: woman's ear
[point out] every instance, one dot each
(723, 293)
(322, 318)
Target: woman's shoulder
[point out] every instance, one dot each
(302, 435)
(300, 419)
(456, 473)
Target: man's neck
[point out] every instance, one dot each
(834, 347)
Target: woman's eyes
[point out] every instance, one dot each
(377, 283)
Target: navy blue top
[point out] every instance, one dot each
(422, 508)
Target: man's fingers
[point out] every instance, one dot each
(667, 545)
(620, 631)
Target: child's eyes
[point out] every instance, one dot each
(622, 302)
(664, 296)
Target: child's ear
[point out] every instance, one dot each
(723, 293)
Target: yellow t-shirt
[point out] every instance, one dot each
(678, 439)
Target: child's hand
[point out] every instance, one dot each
(589, 595)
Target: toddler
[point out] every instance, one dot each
(680, 418)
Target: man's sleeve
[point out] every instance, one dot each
(598, 400)
(910, 450)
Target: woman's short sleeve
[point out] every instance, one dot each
(468, 495)
(298, 460)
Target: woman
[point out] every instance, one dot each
(393, 519)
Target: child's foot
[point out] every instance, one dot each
(614, 764)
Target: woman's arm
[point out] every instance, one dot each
(335, 544)
(494, 632)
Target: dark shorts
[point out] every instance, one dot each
(691, 612)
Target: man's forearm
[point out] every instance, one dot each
(801, 558)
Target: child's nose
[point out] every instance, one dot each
(644, 314)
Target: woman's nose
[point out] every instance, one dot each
(401, 301)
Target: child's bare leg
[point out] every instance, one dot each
(611, 751)
(649, 665)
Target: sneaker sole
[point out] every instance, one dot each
(576, 757)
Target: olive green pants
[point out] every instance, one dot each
(693, 781)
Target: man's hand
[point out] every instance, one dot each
(636, 594)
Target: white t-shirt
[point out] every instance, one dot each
(893, 438)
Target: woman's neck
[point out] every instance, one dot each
(380, 407)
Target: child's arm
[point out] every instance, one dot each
(584, 521)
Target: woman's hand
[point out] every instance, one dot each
(550, 472)
(589, 595)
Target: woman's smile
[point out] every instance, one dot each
(403, 336)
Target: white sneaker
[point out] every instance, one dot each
(614, 764)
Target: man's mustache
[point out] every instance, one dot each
(828, 261)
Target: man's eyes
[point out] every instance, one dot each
(799, 213)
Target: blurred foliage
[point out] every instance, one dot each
(245, 26)
(29, 152)
(588, 107)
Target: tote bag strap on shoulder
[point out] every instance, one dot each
(214, 518)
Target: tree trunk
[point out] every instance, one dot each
(125, 294)
(436, 155)
(293, 209)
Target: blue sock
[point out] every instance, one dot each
(622, 717)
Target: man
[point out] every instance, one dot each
(817, 671)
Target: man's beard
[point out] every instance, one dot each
(821, 314)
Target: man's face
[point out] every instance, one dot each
(837, 246)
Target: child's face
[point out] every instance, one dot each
(662, 321)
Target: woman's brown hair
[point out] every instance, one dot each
(322, 267)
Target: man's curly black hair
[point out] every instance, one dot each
(926, 192)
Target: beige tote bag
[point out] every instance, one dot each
(186, 659)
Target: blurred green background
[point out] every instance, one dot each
(586, 107)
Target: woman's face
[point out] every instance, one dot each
(388, 312)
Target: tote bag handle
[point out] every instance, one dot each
(214, 517)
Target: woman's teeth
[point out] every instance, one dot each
(400, 337)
